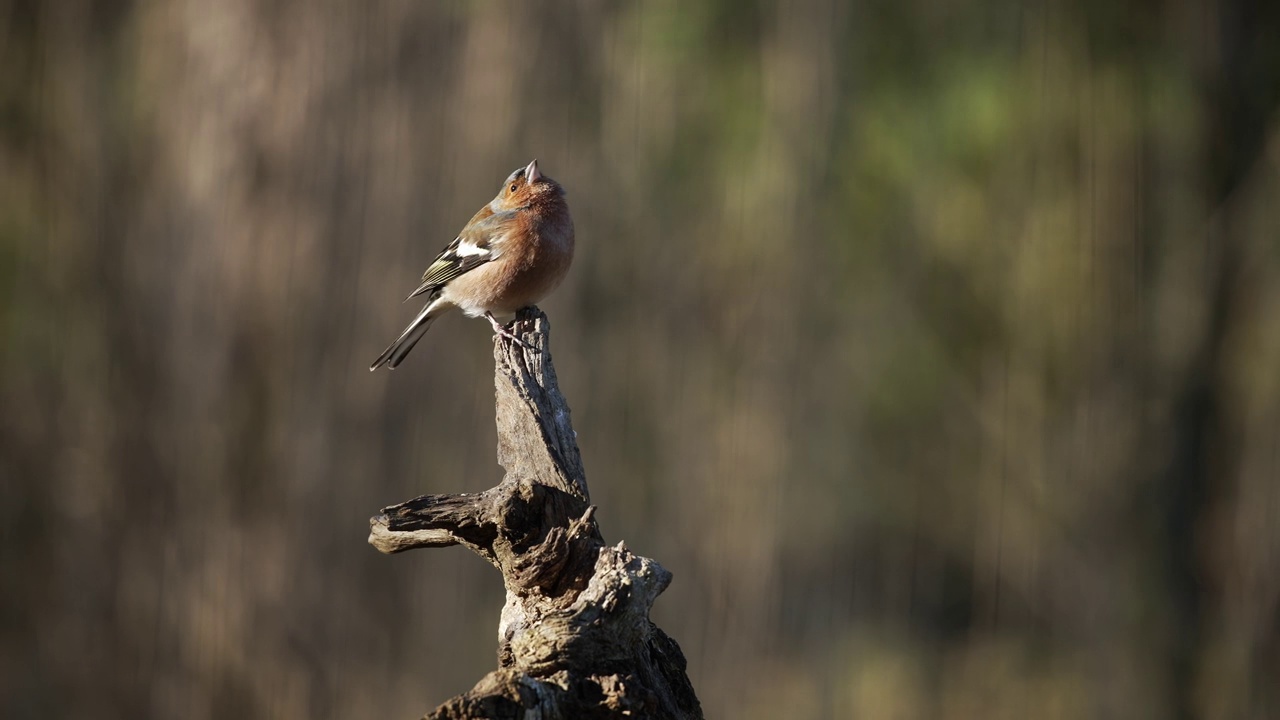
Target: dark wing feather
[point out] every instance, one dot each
(477, 244)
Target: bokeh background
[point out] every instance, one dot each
(934, 347)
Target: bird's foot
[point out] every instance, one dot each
(500, 330)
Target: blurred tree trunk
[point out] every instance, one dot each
(575, 635)
(1240, 86)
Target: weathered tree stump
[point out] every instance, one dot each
(574, 639)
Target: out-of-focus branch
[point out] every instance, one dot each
(575, 636)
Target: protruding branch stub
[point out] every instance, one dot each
(436, 521)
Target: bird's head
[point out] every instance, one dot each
(527, 186)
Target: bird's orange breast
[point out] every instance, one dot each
(533, 261)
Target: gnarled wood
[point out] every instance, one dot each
(575, 640)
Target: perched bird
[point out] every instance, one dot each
(513, 253)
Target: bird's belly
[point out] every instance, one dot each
(502, 288)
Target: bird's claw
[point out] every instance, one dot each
(498, 329)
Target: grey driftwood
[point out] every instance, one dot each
(574, 639)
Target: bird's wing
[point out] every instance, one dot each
(477, 244)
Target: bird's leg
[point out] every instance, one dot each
(500, 330)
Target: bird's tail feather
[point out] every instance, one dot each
(396, 351)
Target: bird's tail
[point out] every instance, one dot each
(397, 351)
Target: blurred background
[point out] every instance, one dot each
(934, 347)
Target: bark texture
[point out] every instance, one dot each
(574, 639)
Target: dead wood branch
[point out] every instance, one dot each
(575, 640)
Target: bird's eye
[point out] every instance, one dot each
(513, 187)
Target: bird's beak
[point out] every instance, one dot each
(531, 173)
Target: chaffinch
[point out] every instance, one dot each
(513, 253)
